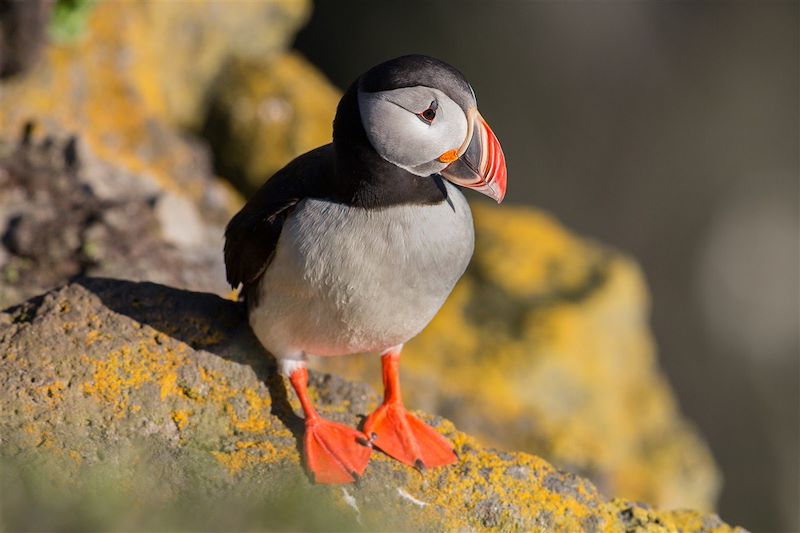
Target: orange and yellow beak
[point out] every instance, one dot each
(479, 164)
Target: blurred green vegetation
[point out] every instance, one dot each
(46, 495)
(69, 18)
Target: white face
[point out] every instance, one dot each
(402, 129)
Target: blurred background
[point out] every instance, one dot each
(669, 130)
(665, 130)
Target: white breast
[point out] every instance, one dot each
(347, 280)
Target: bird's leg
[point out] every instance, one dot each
(334, 453)
(400, 434)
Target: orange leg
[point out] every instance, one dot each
(400, 434)
(334, 453)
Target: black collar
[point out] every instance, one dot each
(362, 177)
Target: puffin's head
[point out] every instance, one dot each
(420, 114)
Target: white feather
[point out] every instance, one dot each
(288, 365)
(347, 280)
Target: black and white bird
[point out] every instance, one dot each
(353, 247)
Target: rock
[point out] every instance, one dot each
(63, 214)
(200, 41)
(140, 71)
(544, 346)
(129, 84)
(265, 112)
(116, 390)
(180, 221)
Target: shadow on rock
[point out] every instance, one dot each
(203, 321)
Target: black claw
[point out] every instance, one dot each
(373, 436)
(356, 477)
(419, 465)
(364, 442)
(458, 457)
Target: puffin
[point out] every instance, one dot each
(354, 246)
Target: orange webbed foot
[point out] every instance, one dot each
(335, 454)
(405, 437)
(400, 434)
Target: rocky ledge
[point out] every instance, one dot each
(165, 396)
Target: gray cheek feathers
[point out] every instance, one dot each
(400, 137)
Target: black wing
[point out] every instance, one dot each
(251, 236)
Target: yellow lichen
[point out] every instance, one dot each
(75, 456)
(276, 108)
(648, 520)
(257, 413)
(458, 494)
(181, 419)
(127, 369)
(169, 384)
(52, 392)
(92, 337)
(250, 454)
(528, 252)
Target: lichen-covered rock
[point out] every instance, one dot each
(143, 203)
(265, 112)
(139, 70)
(169, 391)
(198, 42)
(127, 83)
(545, 347)
(63, 214)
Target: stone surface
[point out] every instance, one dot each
(265, 112)
(168, 391)
(143, 203)
(64, 213)
(139, 70)
(544, 346)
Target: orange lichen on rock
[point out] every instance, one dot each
(181, 418)
(256, 418)
(140, 70)
(52, 392)
(141, 398)
(251, 454)
(268, 111)
(527, 253)
(128, 369)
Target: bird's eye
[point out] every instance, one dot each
(429, 114)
